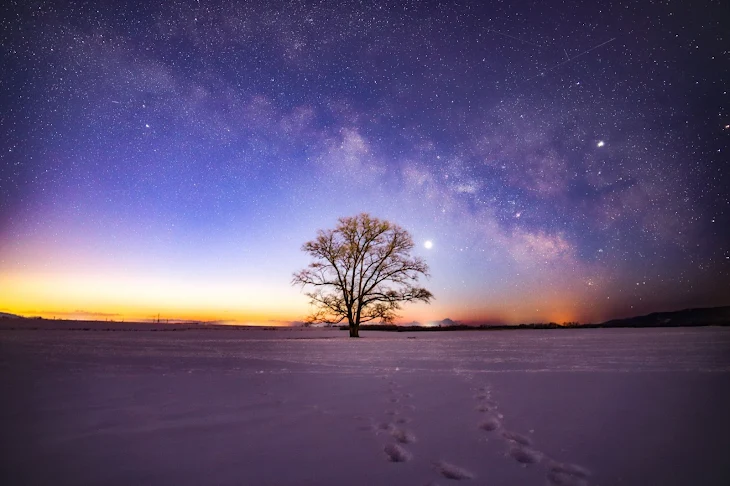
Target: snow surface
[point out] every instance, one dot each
(290, 407)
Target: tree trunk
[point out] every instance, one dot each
(354, 330)
(354, 324)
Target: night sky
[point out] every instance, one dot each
(567, 161)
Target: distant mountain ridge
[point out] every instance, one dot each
(6, 315)
(709, 316)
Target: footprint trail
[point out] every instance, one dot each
(520, 447)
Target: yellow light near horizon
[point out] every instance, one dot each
(128, 296)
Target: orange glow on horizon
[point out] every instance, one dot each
(90, 296)
(98, 297)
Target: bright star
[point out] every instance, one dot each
(600, 143)
(428, 244)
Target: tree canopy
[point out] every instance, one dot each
(362, 270)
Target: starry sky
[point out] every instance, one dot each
(567, 161)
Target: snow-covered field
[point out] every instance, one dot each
(287, 407)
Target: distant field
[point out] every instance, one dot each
(297, 406)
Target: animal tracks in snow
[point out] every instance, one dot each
(399, 439)
(490, 424)
(396, 453)
(520, 447)
(394, 426)
(400, 436)
(516, 438)
(451, 471)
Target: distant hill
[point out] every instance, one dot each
(5, 315)
(712, 316)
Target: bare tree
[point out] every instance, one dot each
(362, 270)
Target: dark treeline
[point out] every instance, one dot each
(456, 327)
(713, 316)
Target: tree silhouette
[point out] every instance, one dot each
(362, 270)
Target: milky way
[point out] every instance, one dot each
(564, 162)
